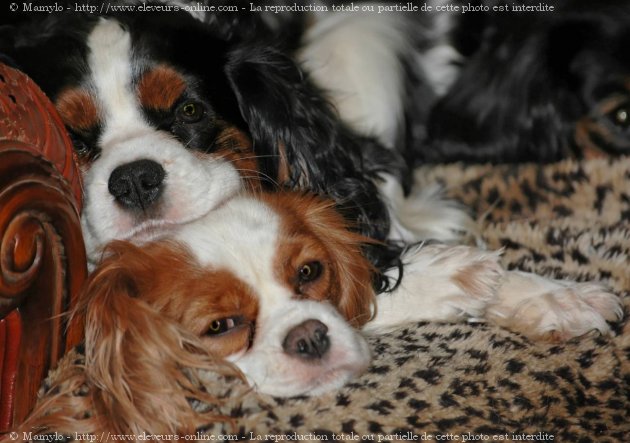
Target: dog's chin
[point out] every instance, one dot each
(315, 384)
(333, 379)
(144, 231)
(156, 228)
(150, 230)
(309, 379)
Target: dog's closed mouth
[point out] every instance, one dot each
(150, 230)
(155, 228)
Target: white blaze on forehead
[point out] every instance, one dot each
(110, 61)
(242, 236)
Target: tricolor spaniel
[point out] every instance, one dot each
(169, 112)
(173, 118)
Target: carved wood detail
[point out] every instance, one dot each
(42, 256)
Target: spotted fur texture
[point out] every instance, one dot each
(567, 219)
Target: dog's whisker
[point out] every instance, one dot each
(255, 157)
(263, 175)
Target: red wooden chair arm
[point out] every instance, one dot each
(42, 256)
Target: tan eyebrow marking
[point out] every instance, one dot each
(78, 109)
(161, 87)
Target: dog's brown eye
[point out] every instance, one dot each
(191, 112)
(84, 152)
(222, 325)
(309, 272)
(81, 149)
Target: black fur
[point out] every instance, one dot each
(531, 81)
(254, 85)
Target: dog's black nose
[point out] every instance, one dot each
(137, 184)
(308, 340)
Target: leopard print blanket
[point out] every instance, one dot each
(476, 382)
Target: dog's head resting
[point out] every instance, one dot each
(275, 285)
(157, 131)
(170, 118)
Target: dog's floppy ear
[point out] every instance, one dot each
(354, 298)
(302, 142)
(288, 115)
(135, 355)
(508, 120)
(284, 112)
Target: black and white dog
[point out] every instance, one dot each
(173, 114)
(146, 95)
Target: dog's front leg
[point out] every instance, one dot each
(548, 309)
(439, 283)
(453, 283)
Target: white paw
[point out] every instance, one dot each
(440, 283)
(553, 310)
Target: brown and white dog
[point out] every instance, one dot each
(277, 285)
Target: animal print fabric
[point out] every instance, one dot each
(475, 382)
(566, 220)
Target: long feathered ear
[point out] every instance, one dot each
(284, 112)
(135, 355)
(356, 298)
(288, 115)
(301, 140)
(351, 293)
